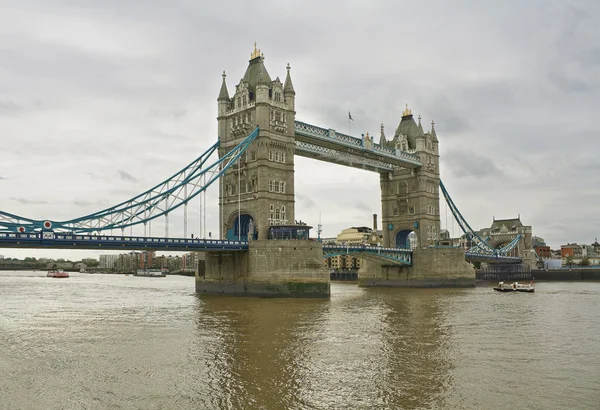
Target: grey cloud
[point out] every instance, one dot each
(25, 201)
(466, 163)
(3, 178)
(82, 203)
(126, 176)
(9, 106)
(306, 201)
(361, 206)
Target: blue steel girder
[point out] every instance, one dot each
(396, 256)
(347, 145)
(491, 258)
(165, 197)
(56, 240)
(305, 149)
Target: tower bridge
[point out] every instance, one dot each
(262, 249)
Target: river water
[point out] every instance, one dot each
(125, 342)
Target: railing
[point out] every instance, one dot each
(349, 159)
(61, 238)
(329, 135)
(397, 255)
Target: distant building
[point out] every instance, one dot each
(357, 235)
(107, 261)
(571, 253)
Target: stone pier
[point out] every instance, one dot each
(431, 267)
(271, 268)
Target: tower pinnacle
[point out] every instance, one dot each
(256, 53)
(407, 111)
(288, 88)
(382, 140)
(223, 94)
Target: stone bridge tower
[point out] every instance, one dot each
(410, 197)
(259, 190)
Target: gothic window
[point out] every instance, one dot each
(277, 116)
(235, 121)
(276, 186)
(395, 210)
(239, 102)
(253, 155)
(276, 156)
(251, 95)
(247, 117)
(283, 157)
(244, 102)
(270, 155)
(411, 210)
(282, 187)
(271, 186)
(254, 184)
(277, 214)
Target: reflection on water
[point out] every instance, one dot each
(105, 341)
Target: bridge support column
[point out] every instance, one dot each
(431, 267)
(274, 268)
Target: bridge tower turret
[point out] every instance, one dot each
(261, 187)
(410, 198)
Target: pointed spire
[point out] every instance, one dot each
(420, 126)
(288, 88)
(433, 134)
(382, 140)
(223, 94)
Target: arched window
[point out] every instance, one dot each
(253, 155)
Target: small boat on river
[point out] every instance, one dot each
(151, 273)
(515, 287)
(57, 273)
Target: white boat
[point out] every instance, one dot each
(514, 287)
(152, 273)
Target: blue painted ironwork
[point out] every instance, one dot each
(153, 203)
(481, 248)
(49, 239)
(332, 155)
(322, 135)
(397, 256)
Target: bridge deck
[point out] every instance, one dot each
(130, 243)
(331, 146)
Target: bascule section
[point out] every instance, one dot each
(257, 195)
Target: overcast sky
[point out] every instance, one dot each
(100, 100)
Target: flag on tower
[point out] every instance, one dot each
(350, 116)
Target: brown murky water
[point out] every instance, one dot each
(124, 342)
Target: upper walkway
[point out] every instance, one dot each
(331, 146)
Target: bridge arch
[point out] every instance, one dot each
(240, 224)
(402, 239)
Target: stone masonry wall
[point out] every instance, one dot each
(431, 267)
